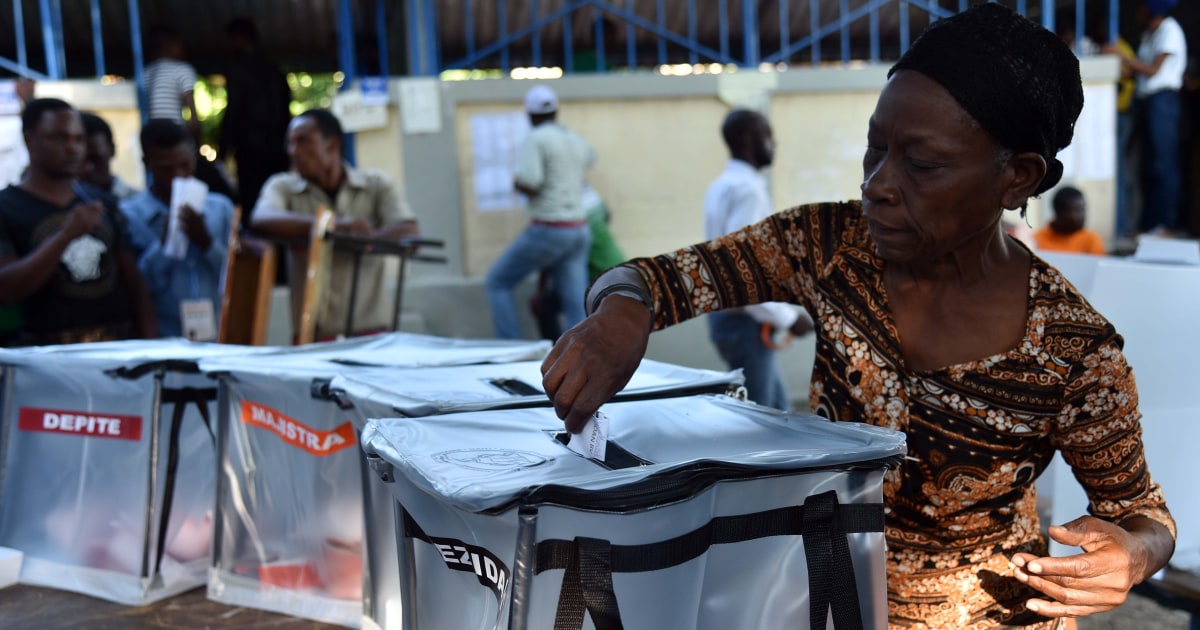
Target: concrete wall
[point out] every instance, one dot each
(655, 160)
(380, 149)
(658, 146)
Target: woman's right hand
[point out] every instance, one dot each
(593, 361)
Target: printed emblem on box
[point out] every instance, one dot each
(492, 459)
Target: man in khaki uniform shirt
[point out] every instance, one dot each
(366, 203)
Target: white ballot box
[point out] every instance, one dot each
(702, 512)
(419, 393)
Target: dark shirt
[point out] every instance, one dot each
(332, 193)
(254, 128)
(256, 118)
(85, 291)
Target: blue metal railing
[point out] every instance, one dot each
(50, 17)
(97, 38)
(644, 29)
(526, 41)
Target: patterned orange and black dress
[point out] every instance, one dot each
(979, 433)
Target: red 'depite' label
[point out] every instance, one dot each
(296, 433)
(84, 423)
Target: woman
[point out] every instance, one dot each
(934, 322)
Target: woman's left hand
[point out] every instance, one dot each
(1097, 580)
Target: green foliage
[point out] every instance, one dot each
(308, 91)
(211, 100)
(313, 90)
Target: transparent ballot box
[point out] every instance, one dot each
(109, 466)
(289, 516)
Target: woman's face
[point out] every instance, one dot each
(933, 179)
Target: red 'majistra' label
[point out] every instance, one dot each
(84, 423)
(296, 433)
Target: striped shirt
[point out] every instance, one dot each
(167, 80)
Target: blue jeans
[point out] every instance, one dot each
(1124, 225)
(561, 250)
(1162, 175)
(738, 340)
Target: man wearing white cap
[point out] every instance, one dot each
(550, 172)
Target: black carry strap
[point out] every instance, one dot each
(821, 521)
(831, 582)
(587, 585)
(180, 398)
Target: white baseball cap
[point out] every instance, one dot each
(541, 100)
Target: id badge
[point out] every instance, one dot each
(199, 322)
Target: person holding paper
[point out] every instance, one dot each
(64, 249)
(181, 233)
(932, 321)
(366, 202)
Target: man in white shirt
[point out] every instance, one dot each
(745, 337)
(1159, 66)
(550, 172)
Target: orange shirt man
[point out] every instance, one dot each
(1066, 232)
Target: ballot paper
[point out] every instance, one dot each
(592, 441)
(185, 191)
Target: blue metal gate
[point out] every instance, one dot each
(519, 31)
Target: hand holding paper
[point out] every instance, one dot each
(192, 224)
(187, 191)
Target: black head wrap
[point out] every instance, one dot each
(1019, 81)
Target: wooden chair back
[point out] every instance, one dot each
(246, 296)
(316, 275)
